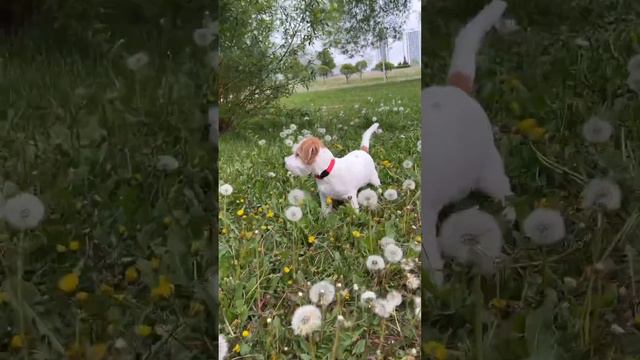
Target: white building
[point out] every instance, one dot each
(412, 41)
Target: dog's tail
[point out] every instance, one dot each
(463, 62)
(364, 146)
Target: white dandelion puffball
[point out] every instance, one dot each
(544, 226)
(24, 211)
(390, 194)
(382, 308)
(394, 298)
(223, 347)
(367, 297)
(296, 197)
(375, 263)
(306, 319)
(412, 282)
(327, 138)
(137, 61)
(323, 293)
(633, 66)
(322, 131)
(288, 142)
(368, 198)
(293, 127)
(408, 185)
(417, 301)
(386, 241)
(293, 213)
(472, 237)
(271, 174)
(581, 42)
(262, 142)
(596, 130)
(407, 264)
(633, 81)
(407, 164)
(602, 193)
(226, 189)
(203, 37)
(167, 163)
(393, 253)
(283, 134)
(419, 146)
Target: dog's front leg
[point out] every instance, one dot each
(353, 199)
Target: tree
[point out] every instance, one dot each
(388, 66)
(326, 59)
(357, 25)
(255, 50)
(361, 66)
(323, 71)
(347, 70)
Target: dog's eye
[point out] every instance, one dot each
(297, 155)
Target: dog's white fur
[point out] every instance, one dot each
(459, 154)
(350, 173)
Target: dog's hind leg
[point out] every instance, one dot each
(431, 255)
(326, 208)
(375, 180)
(495, 183)
(353, 200)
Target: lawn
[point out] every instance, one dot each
(109, 254)
(576, 297)
(370, 77)
(270, 265)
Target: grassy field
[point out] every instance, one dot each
(269, 264)
(109, 256)
(370, 77)
(576, 298)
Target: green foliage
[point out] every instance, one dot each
(388, 66)
(255, 70)
(361, 66)
(347, 70)
(357, 25)
(323, 71)
(326, 59)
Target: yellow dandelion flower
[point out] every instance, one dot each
(61, 248)
(436, 350)
(289, 282)
(167, 220)
(346, 295)
(246, 333)
(240, 212)
(225, 231)
(537, 133)
(386, 163)
(195, 308)
(131, 274)
(269, 214)
(499, 304)
(69, 282)
(164, 289)
(143, 330)
(82, 296)
(286, 269)
(74, 245)
(17, 341)
(263, 227)
(329, 200)
(356, 234)
(311, 239)
(418, 238)
(155, 263)
(527, 125)
(106, 289)
(236, 348)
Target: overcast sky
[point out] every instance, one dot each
(396, 51)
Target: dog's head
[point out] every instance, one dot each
(304, 155)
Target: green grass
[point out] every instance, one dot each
(84, 135)
(559, 301)
(371, 77)
(268, 263)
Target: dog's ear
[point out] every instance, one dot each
(309, 149)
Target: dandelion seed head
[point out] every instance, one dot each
(296, 197)
(382, 308)
(375, 263)
(408, 185)
(203, 37)
(394, 298)
(322, 293)
(407, 164)
(393, 253)
(367, 298)
(225, 189)
(306, 319)
(23, 211)
(293, 213)
(368, 198)
(544, 226)
(391, 194)
(167, 163)
(386, 241)
(603, 194)
(137, 61)
(597, 130)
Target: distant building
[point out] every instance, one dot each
(412, 41)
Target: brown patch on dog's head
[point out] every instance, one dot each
(308, 149)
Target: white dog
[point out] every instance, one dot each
(339, 178)
(459, 154)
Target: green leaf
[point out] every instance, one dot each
(359, 348)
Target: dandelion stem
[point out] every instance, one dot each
(336, 339)
(477, 326)
(312, 346)
(19, 289)
(382, 330)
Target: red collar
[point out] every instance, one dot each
(327, 171)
